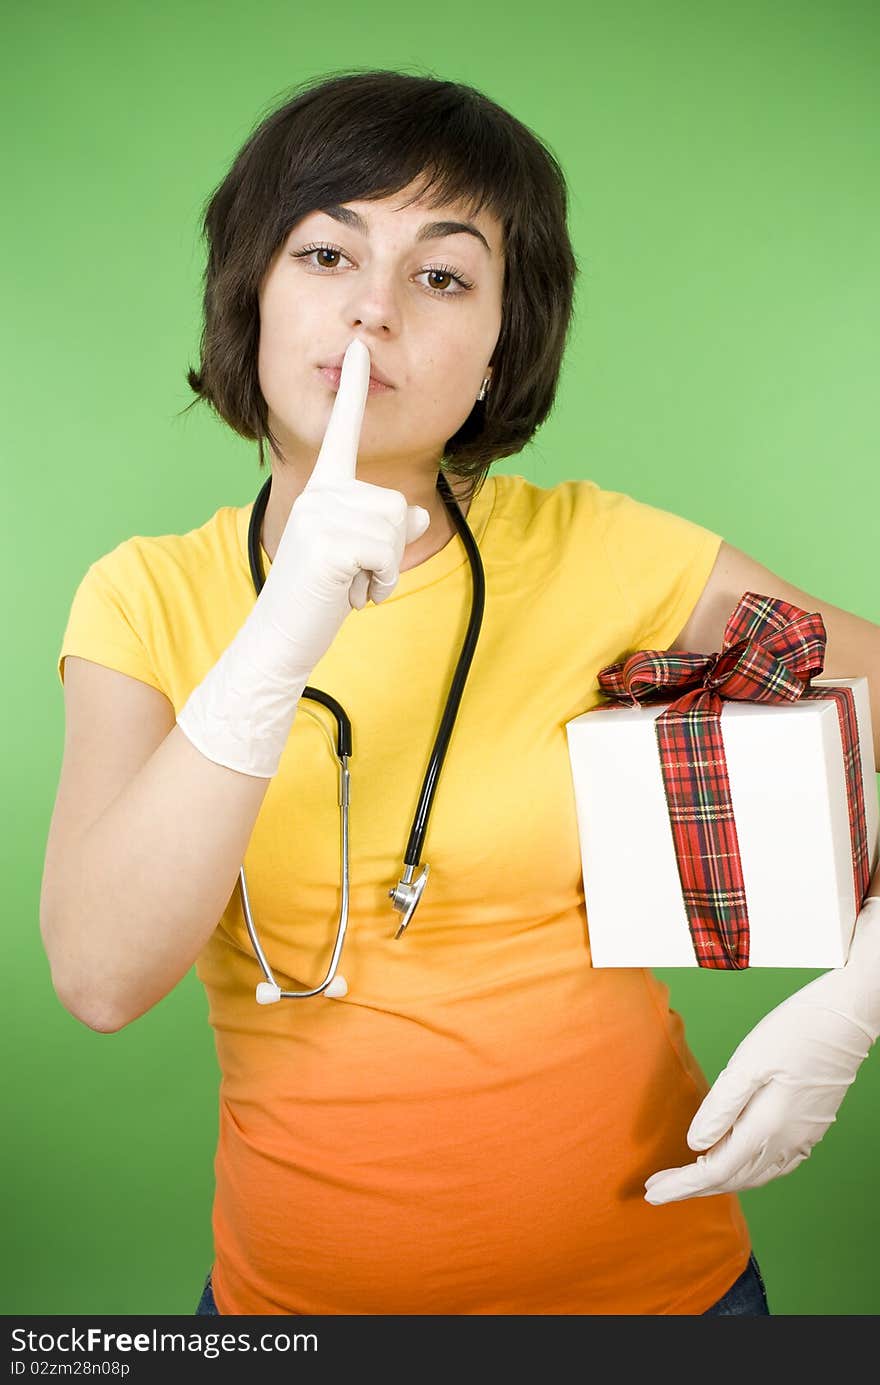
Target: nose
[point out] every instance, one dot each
(373, 305)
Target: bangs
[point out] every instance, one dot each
(432, 137)
(367, 136)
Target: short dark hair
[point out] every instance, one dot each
(367, 134)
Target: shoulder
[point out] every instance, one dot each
(633, 531)
(584, 498)
(524, 502)
(133, 602)
(148, 559)
(735, 573)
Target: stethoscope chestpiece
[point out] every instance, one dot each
(407, 894)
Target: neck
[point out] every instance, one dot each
(421, 491)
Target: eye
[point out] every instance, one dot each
(444, 271)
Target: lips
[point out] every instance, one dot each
(335, 363)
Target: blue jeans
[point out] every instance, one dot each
(746, 1297)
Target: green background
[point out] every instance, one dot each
(723, 365)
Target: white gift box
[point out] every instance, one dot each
(787, 786)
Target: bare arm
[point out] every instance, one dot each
(143, 852)
(154, 812)
(853, 647)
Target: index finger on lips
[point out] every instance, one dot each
(337, 459)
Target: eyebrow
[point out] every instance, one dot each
(432, 230)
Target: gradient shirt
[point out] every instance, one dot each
(470, 1128)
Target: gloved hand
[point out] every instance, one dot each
(342, 537)
(784, 1083)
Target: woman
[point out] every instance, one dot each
(468, 1127)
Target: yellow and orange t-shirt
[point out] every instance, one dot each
(469, 1129)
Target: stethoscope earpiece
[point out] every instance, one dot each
(268, 993)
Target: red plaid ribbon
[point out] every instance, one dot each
(770, 652)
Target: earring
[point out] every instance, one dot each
(484, 388)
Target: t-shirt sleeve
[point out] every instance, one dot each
(659, 561)
(103, 624)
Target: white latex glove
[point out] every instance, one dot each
(784, 1083)
(342, 535)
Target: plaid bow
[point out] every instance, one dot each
(770, 651)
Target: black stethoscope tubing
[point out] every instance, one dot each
(469, 644)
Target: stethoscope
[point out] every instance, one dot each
(407, 893)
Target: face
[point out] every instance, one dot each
(428, 310)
